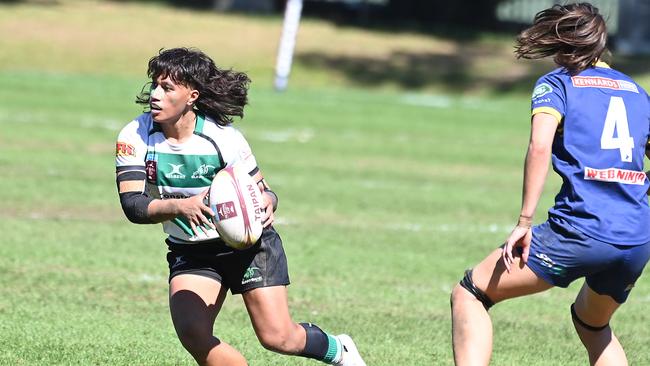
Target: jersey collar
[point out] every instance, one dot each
(200, 121)
(198, 127)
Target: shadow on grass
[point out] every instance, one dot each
(471, 68)
(462, 71)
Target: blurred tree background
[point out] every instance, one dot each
(457, 17)
(423, 45)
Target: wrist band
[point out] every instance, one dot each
(525, 221)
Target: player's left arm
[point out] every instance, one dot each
(269, 198)
(244, 156)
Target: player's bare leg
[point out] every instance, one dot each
(471, 324)
(194, 303)
(268, 309)
(269, 312)
(593, 314)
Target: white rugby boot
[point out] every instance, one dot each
(350, 354)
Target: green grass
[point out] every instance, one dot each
(385, 198)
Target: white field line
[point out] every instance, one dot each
(451, 228)
(443, 101)
(149, 278)
(302, 136)
(425, 100)
(87, 121)
(107, 124)
(412, 226)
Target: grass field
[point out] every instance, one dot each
(386, 196)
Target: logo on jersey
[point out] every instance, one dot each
(176, 172)
(541, 90)
(204, 171)
(603, 83)
(245, 154)
(179, 262)
(553, 267)
(124, 149)
(615, 175)
(225, 210)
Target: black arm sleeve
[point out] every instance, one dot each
(135, 204)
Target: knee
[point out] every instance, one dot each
(195, 338)
(281, 341)
(466, 291)
(459, 295)
(581, 324)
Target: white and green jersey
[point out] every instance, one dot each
(181, 170)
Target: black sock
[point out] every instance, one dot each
(319, 345)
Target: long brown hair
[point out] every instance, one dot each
(222, 93)
(574, 34)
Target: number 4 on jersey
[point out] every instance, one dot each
(616, 133)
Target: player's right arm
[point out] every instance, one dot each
(130, 152)
(547, 105)
(543, 129)
(138, 206)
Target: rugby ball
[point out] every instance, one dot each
(236, 202)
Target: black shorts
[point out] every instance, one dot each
(262, 265)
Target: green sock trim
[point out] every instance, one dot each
(332, 349)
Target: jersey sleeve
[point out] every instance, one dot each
(131, 146)
(243, 154)
(549, 96)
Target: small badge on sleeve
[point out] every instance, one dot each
(124, 149)
(541, 90)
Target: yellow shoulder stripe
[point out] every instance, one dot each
(549, 110)
(602, 64)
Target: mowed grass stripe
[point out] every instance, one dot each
(385, 198)
(372, 223)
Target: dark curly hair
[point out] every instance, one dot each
(574, 34)
(222, 93)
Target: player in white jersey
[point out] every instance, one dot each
(165, 162)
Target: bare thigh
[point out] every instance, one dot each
(268, 309)
(195, 302)
(491, 277)
(594, 309)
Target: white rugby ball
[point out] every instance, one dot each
(236, 202)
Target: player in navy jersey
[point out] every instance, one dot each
(593, 122)
(166, 159)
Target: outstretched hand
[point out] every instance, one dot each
(519, 237)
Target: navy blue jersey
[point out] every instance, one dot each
(598, 150)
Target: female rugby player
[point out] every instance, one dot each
(594, 123)
(166, 159)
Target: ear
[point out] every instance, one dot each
(194, 95)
